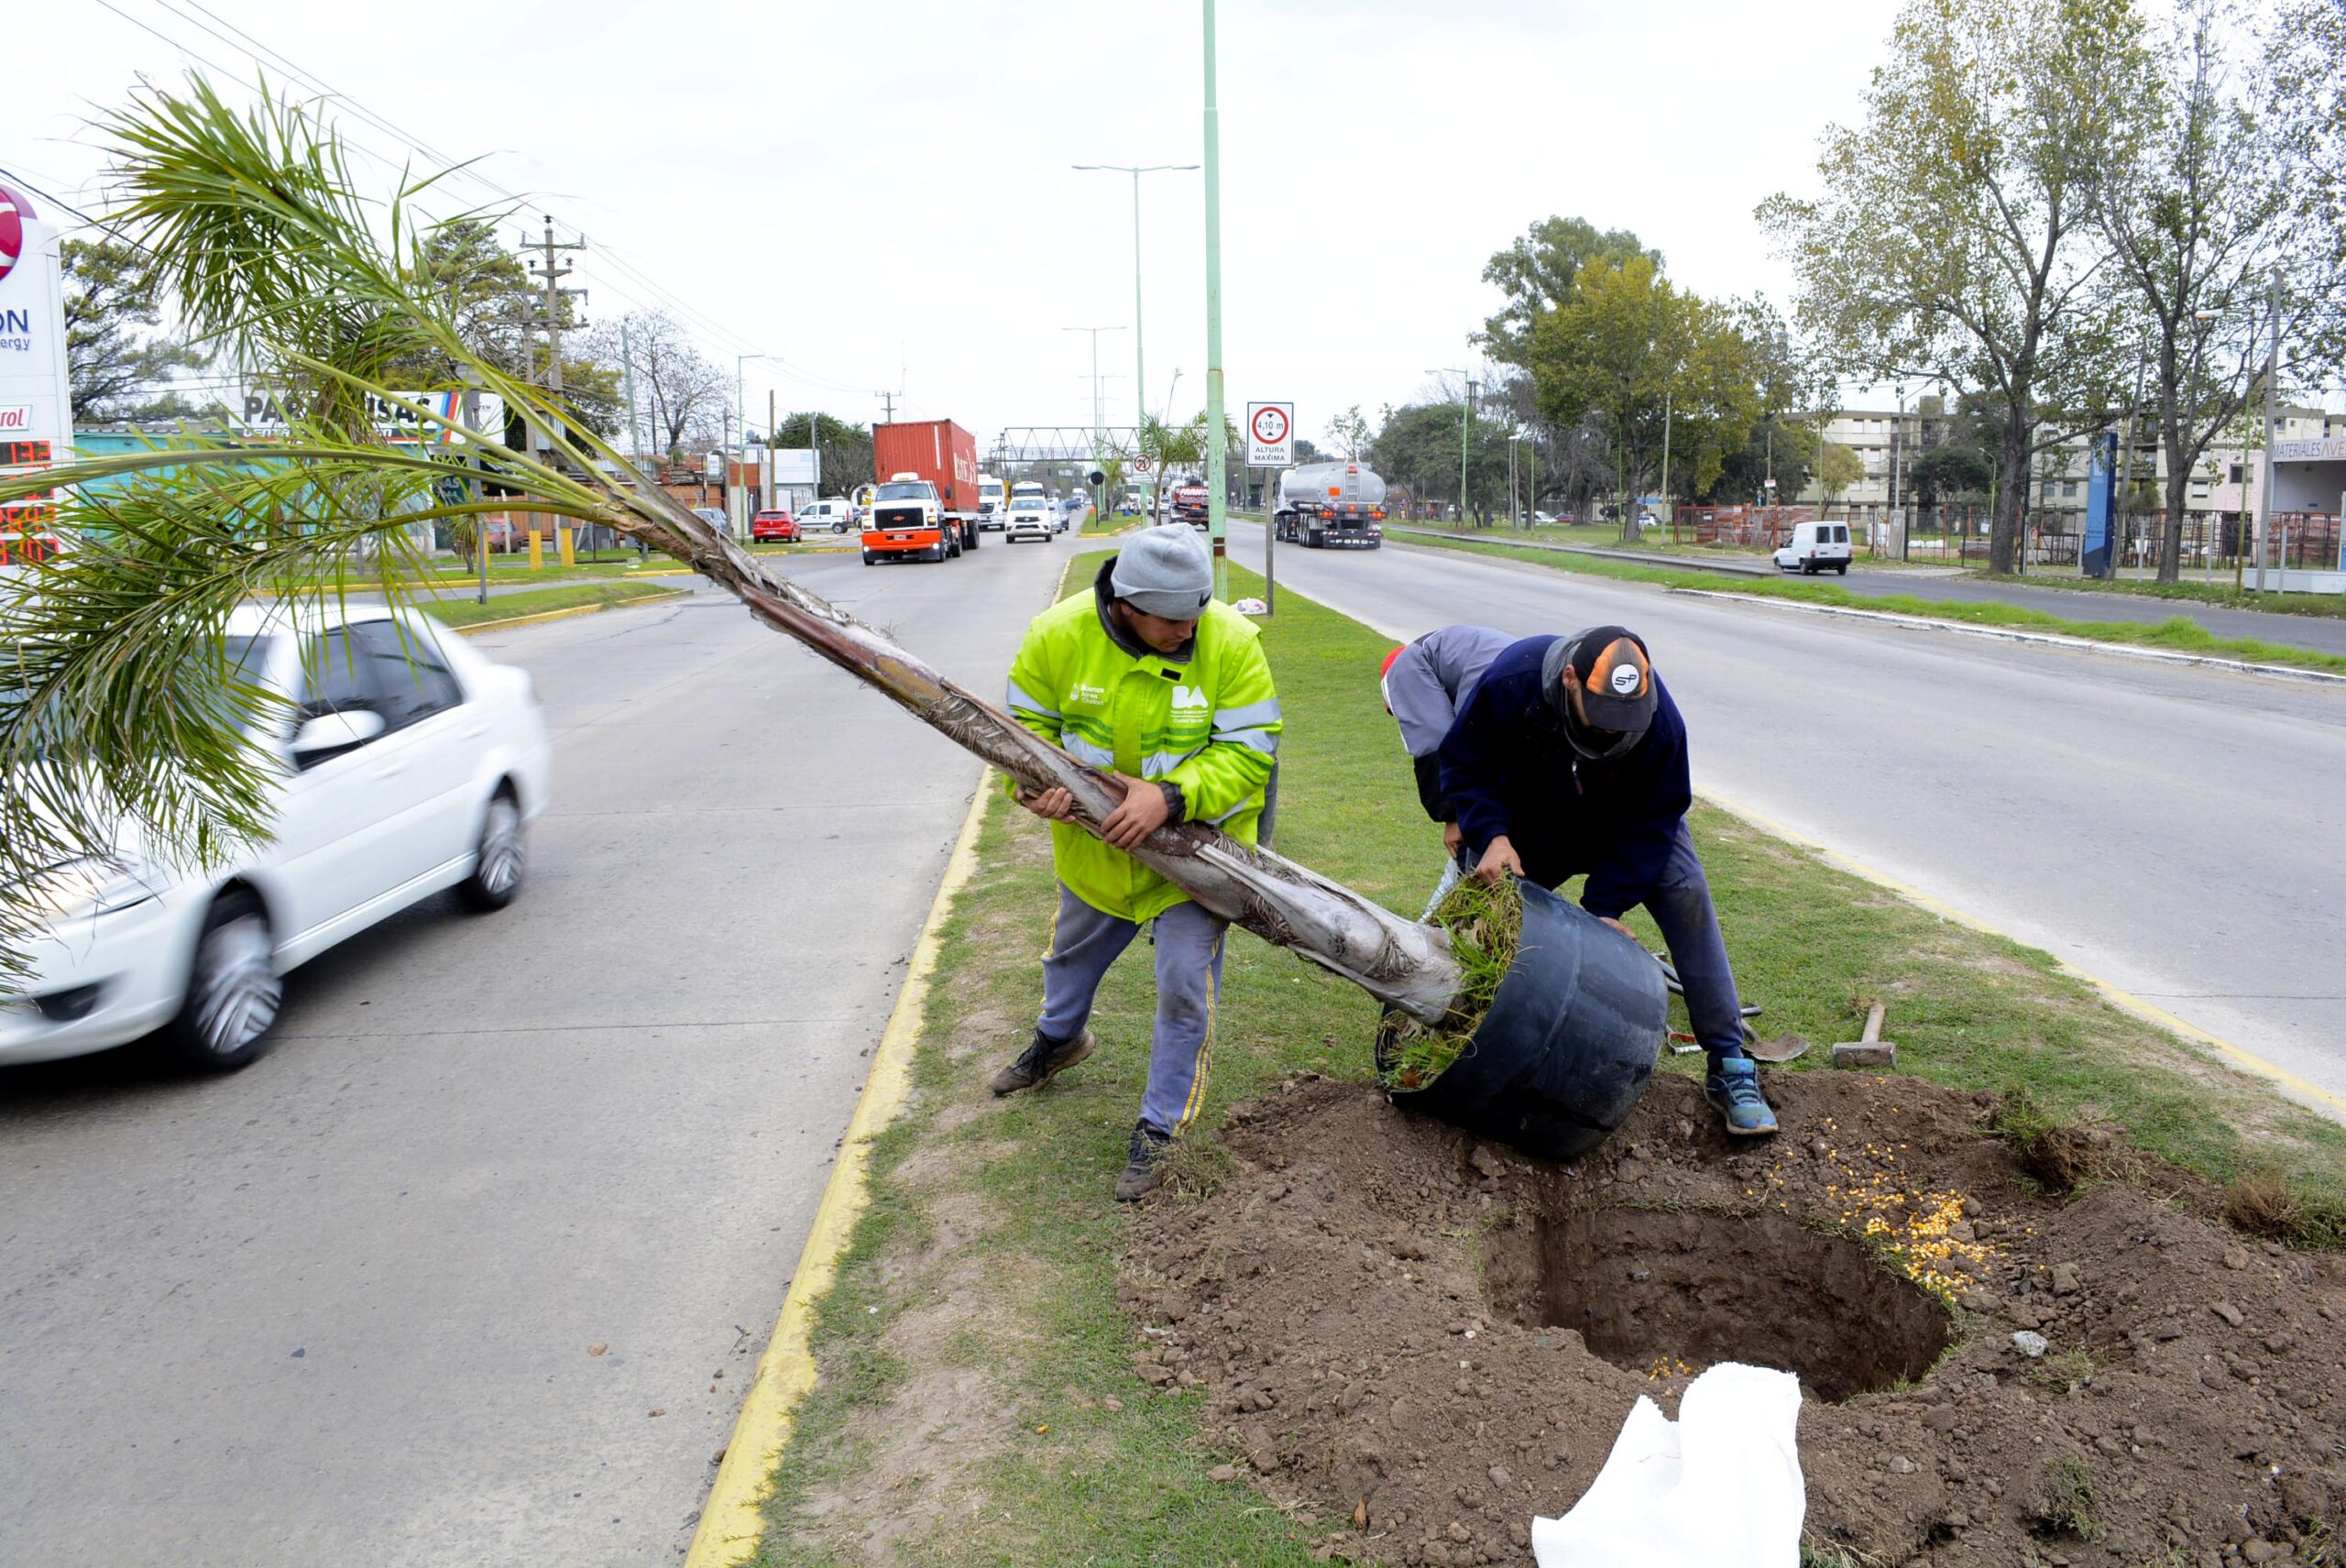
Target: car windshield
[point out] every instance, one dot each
(909, 491)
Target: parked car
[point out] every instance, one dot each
(835, 513)
(1541, 518)
(1816, 547)
(1030, 517)
(773, 527)
(715, 517)
(401, 762)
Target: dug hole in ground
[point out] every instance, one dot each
(1347, 1331)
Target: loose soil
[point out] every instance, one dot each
(1421, 1341)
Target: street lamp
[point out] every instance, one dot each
(1140, 361)
(1096, 418)
(1465, 415)
(741, 525)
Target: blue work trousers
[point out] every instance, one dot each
(1084, 942)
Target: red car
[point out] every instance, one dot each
(773, 527)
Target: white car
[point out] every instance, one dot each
(1030, 517)
(406, 764)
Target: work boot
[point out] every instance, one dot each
(1144, 1166)
(1732, 1087)
(1042, 1062)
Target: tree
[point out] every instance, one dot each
(2202, 208)
(129, 714)
(1350, 432)
(846, 449)
(682, 390)
(1954, 240)
(1305, 451)
(1837, 470)
(1418, 446)
(109, 290)
(1537, 274)
(1628, 348)
(1776, 448)
(1950, 473)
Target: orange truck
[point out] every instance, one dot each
(925, 500)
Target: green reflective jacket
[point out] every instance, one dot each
(1209, 723)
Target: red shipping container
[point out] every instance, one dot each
(938, 451)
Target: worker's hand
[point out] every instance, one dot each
(1057, 804)
(1618, 926)
(1451, 839)
(1142, 813)
(1499, 856)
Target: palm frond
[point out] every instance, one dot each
(124, 705)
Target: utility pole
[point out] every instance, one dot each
(1665, 451)
(1465, 423)
(1217, 427)
(888, 402)
(2272, 375)
(1897, 450)
(1098, 412)
(627, 368)
(1140, 359)
(550, 277)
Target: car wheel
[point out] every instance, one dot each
(868, 557)
(1843, 569)
(839, 528)
(233, 989)
(500, 858)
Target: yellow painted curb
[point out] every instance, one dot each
(479, 627)
(2309, 1095)
(730, 1523)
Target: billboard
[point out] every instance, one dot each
(801, 465)
(36, 398)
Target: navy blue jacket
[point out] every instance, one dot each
(1509, 770)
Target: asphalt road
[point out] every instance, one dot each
(338, 1308)
(2179, 832)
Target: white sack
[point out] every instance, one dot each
(1719, 1486)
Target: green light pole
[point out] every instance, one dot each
(1466, 420)
(1217, 427)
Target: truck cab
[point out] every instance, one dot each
(907, 523)
(994, 502)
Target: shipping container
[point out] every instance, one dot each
(938, 451)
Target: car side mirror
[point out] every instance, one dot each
(328, 733)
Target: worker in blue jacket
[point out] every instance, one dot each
(1570, 757)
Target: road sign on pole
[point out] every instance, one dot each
(1270, 435)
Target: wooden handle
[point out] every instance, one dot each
(1873, 1023)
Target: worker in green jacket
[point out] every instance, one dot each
(1147, 678)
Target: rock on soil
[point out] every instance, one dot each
(1422, 1341)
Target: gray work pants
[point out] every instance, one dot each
(1084, 942)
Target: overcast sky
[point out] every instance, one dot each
(881, 194)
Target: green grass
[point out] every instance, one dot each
(2179, 634)
(988, 1260)
(463, 612)
(2220, 593)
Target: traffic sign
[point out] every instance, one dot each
(1270, 435)
(1140, 465)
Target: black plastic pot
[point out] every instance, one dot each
(1565, 1050)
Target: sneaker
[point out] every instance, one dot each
(1732, 1087)
(1042, 1062)
(1144, 1166)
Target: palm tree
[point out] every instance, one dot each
(126, 705)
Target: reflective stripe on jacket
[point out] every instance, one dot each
(1208, 722)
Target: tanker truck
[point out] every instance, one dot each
(1324, 504)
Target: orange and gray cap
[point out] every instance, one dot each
(1615, 679)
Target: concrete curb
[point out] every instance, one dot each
(2043, 639)
(509, 621)
(731, 1523)
(2310, 1095)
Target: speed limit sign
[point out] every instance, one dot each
(1270, 435)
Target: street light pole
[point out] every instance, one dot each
(741, 455)
(1465, 414)
(2272, 375)
(1217, 428)
(1140, 359)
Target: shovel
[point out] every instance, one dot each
(1783, 1049)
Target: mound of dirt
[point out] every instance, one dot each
(1422, 1341)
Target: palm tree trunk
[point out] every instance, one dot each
(1399, 963)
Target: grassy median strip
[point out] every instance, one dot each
(2179, 634)
(462, 611)
(978, 1401)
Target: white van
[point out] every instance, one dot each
(835, 514)
(1816, 547)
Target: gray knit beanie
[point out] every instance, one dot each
(1165, 571)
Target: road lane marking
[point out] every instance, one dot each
(730, 1522)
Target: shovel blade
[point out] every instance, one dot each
(1783, 1047)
